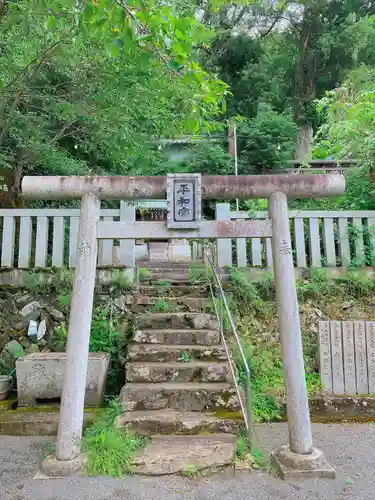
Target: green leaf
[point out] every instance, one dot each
(174, 66)
(51, 23)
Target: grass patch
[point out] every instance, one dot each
(161, 305)
(120, 282)
(251, 453)
(191, 471)
(163, 288)
(144, 273)
(110, 451)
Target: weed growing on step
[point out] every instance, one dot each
(185, 357)
(163, 284)
(244, 451)
(163, 288)
(110, 450)
(161, 305)
(191, 471)
(120, 282)
(143, 273)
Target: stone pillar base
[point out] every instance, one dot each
(62, 468)
(290, 465)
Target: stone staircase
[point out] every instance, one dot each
(179, 387)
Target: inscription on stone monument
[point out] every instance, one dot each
(337, 361)
(184, 200)
(325, 356)
(349, 357)
(370, 339)
(360, 357)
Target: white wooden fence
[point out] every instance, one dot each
(48, 238)
(319, 239)
(43, 238)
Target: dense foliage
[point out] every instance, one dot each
(91, 86)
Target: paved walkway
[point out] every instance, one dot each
(350, 448)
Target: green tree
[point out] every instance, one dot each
(349, 132)
(88, 87)
(266, 141)
(289, 53)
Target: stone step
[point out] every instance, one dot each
(169, 265)
(189, 275)
(148, 423)
(179, 320)
(184, 454)
(177, 337)
(167, 289)
(173, 282)
(151, 353)
(179, 396)
(178, 371)
(165, 275)
(139, 303)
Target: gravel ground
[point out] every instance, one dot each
(349, 448)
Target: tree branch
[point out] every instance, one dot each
(145, 31)
(270, 28)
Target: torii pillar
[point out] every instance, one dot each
(297, 459)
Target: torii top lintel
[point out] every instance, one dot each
(214, 187)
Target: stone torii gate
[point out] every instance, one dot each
(299, 457)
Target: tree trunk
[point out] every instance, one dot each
(303, 151)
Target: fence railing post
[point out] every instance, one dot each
(224, 246)
(8, 241)
(127, 247)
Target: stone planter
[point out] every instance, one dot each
(40, 377)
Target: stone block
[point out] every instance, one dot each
(179, 252)
(158, 251)
(150, 423)
(289, 465)
(40, 376)
(197, 321)
(179, 396)
(168, 353)
(178, 372)
(182, 337)
(177, 454)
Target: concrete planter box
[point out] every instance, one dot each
(40, 377)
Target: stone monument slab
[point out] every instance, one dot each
(360, 357)
(325, 356)
(349, 357)
(337, 358)
(370, 341)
